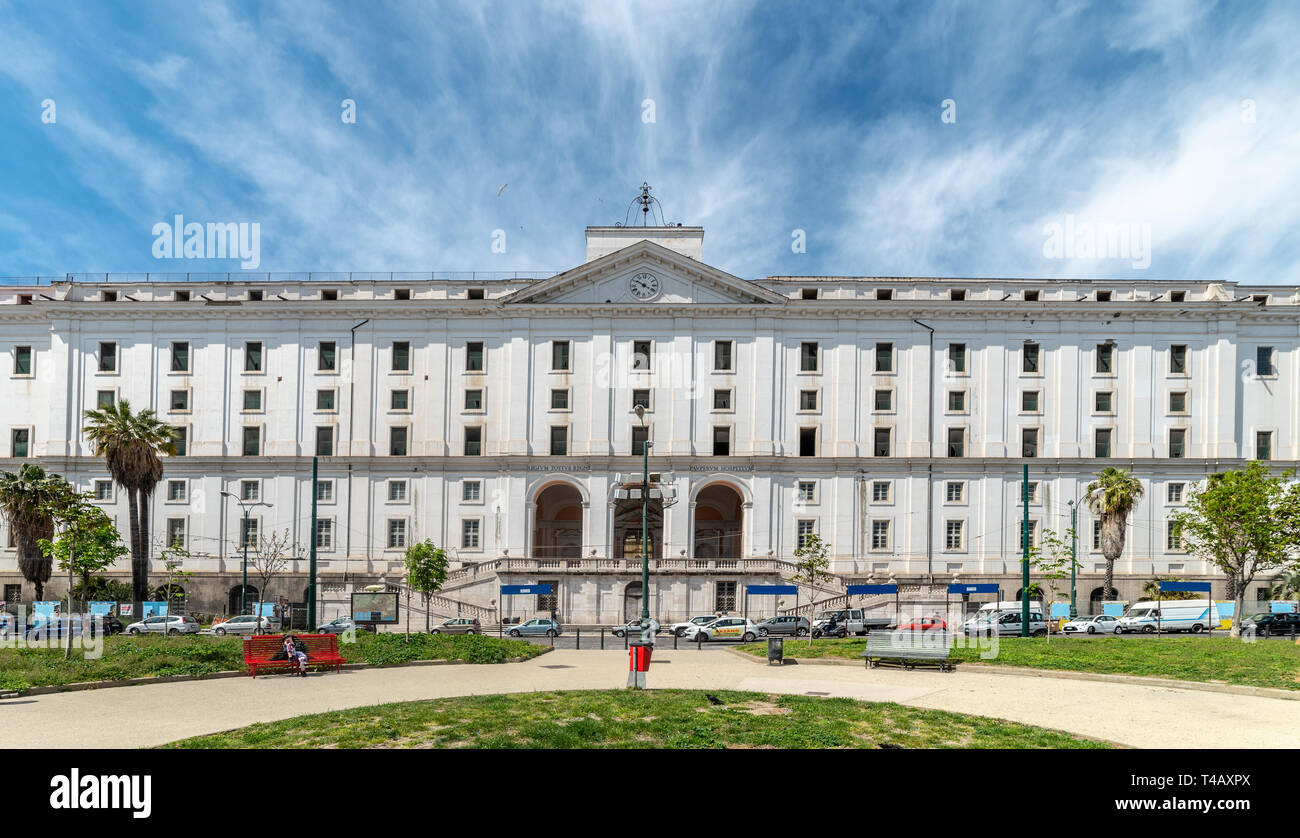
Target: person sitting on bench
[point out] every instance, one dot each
(294, 651)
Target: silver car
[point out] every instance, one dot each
(459, 625)
(1101, 624)
(243, 624)
(170, 625)
(797, 626)
(540, 627)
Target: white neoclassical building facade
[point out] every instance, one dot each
(494, 415)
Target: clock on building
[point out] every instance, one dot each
(644, 286)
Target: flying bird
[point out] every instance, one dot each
(502, 189)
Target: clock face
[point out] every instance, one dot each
(644, 285)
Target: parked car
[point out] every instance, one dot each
(1262, 625)
(1194, 615)
(1007, 625)
(680, 629)
(112, 625)
(797, 626)
(1100, 624)
(339, 625)
(460, 625)
(923, 624)
(243, 624)
(634, 627)
(541, 626)
(725, 628)
(174, 624)
(54, 627)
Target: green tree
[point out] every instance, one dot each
(1052, 559)
(98, 547)
(1112, 496)
(1151, 591)
(1246, 522)
(130, 444)
(75, 517)
(23, 498)
(102, 588)
(812, 567)
(172, 590)
(1286, 586)
(426, 571)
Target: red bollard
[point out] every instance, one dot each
(638, 664)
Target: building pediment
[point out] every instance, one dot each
(645, 273)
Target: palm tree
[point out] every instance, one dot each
(1287, 585)
(23, 497)
(1112, 497)
(130, 444)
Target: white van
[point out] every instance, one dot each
(1194, 615)
(990, 612)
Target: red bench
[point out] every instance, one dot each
(322, 650)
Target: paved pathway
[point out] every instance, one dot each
(1143, 716)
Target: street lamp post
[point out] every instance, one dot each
(243, 537)
(1074, 561)
(645, 531)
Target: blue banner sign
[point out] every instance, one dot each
(760, 590)
(871, 589)
(1281, 607)
(1060, 609)
(101, 607)
(982, 588)
(1185, 586)
(508, 590)
(1113, 609)
(153, 609)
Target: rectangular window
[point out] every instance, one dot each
(469, 534)
(884, 402)
(474, 356)
(1029, 401)
(808, 356)
(401, 356)
(1178, 402)
(955, 491)
(397, 442)
(807, 491)
(399, 400)
(952, 536)
(1177, 443)
(804, 528)
(473, 400)
(1264, 361)
(1031, 296)
(808, 400)
(722, 400)
(956, 401)
(471, 491)
(1032, 488)
(641, 355)
(1029, 358)
(179, 401)
(253, 356)
(560, 355)
(177, 490)
(255, 295)
(807, 293)
(1103, 296)
(724, 596)
(722, 442)
(879, 535)
(1029, 442)
(1174, 492)
(473, 442)
(559, 400)
(807, 442)
(324, 534)
(396, 533)
(641, 397)
(1096, 535)
(474, 294)
(884, 293)
(640, 435)
(880, 491)
(180, 441)
(397, 491)
(1104, 401)
(1101, 443)
(107, 357)
(250, 490)
(1263, 445)
(1173, 537)
(105, 398)
(180, 356)
(248, 532)
(327, 356)
(957, 357)
(324, 491)
(103, 490)
(559, 440)
(329, 294)
(22, 360)
(884, 357)
(252, 441)
(1178, 359)
(176, 532)
(325, 441)
(1033, 533)
(1106, 358)
(956, 442)
(722, 356)
(325, 400)
(401, 293)
(880, 444)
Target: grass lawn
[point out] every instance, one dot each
(1274, 662)
(192, 654)
(638, 719)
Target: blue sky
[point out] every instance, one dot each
(769, 117)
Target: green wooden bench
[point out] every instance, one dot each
(910, 649)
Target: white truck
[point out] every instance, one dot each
(1194, 615)
(857, 621)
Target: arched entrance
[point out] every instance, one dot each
(557, 523)
(250, 597)
(627, 526)
(1095, 600)
(632, 602)
(719, 519)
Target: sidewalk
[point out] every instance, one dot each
(1140, 716)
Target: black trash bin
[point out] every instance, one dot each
(775, 649)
